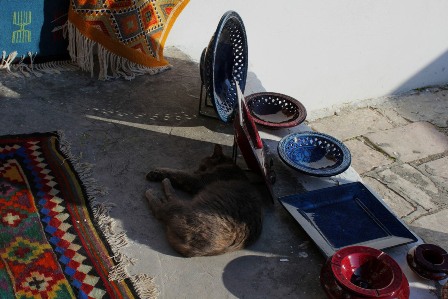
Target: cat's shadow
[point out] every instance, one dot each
(283, 263)
(254, 276)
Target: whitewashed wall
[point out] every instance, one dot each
(325, 52)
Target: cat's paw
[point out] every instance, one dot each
(150, 195)
(155, 175)
(153, 201)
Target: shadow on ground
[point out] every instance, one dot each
(126, 128)
(431, 236)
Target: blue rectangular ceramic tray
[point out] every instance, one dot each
(347, 215)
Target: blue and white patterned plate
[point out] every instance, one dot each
(315, 154)
(225, 63)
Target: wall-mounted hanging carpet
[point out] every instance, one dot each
(28, 35)
(130, 35)
(50, 244)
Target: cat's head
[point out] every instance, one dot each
(217, 158)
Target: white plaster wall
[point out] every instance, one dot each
(326, 52)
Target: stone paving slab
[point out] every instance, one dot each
(411, 184)
(411, 142)
(427, 106)
(394, 117)
(398, 204)
(433, 228)
(353, 123)
(365, 158)
(436, 222)
(437, 170)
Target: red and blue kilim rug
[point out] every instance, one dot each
(49, 243)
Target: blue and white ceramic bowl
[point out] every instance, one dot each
(225, 64)
(315, 154)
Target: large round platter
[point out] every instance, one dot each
(225, 64)
(275, 110)
(202, 65)
(315, 154)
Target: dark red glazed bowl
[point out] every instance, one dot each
(429, 261)
(275, 110)
(357, 272)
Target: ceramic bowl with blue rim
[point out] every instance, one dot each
(225, 63)
(314, 153)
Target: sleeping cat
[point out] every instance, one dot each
(225, 213)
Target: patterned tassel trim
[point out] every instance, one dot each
(82, 51)
(144, 284)
(21, 69)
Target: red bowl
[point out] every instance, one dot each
(275, 110)
(357, 272)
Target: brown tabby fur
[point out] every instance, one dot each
(225, 213)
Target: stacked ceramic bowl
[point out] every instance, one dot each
(223, 66)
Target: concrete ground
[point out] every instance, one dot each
(124, 129)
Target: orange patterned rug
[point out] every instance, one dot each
(129, 35)
(50, 244)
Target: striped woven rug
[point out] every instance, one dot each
(52, 234)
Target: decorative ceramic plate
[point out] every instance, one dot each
(275, 110)
(346, 215)
(225, 64)
(202, 65)
(314, 153)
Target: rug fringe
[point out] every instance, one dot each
(21, 69)
(55, 67)
(6, 62)
(118, 272)
(143, 283)
(82, 51)
(145, 286)
(117, 240)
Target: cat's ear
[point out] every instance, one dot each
(217, 152)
